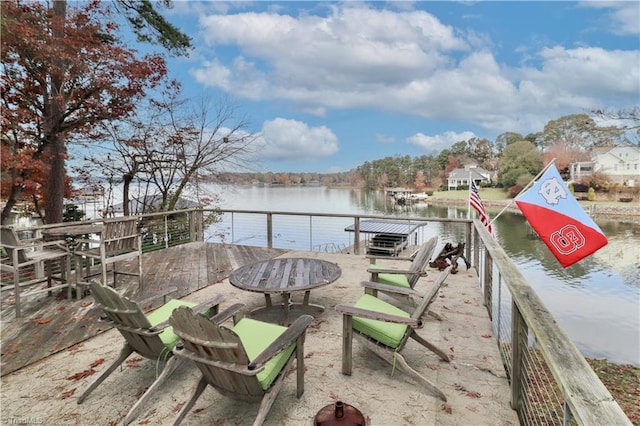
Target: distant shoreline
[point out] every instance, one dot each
(626, 212)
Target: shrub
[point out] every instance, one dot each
(591, 194)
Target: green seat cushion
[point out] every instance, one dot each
(168, 337)
(256, 336)
(387, 333)
(398, 280)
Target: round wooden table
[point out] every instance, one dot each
(286, 276)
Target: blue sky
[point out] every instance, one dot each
(330, 85)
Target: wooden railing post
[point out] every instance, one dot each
(518, 348)
(196, 228)
(269, 230)
(487, 278)
(467, 253)
(356, 235)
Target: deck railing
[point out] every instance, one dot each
(551, 382)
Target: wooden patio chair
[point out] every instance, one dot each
(385, 330)
(30, 261)
(248, 361)
(405, 279)
(119, 241)
(148, 335)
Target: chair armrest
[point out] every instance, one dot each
(395, 271)
(373, 258)
(391, 288)
(167, 291)
(212, 303)
(363, 313)
(209, 304)
(231, 311)
(293, 332)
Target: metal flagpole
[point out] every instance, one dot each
(522, 190)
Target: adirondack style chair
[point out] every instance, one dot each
(119, 241)
(148, 335)
(404, 279)
(385, 330)
(248, 361)
(31, 263)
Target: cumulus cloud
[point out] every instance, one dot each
(282, 139)
(623, 15)
(436, 143)
(408, 62)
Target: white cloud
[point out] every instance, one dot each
(624, 16)
(386, 139)
(407, 62)
(437, 143)
(283, 139)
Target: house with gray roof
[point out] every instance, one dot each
(462, 177)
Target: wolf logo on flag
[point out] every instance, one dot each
(559, 220)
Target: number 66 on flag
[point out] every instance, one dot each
(559, 220)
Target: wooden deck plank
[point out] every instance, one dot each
(52, 324)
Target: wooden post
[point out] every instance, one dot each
(476, 249)
(347, 343)
(518, 348)
(487, 279)
(468, 240)
(356, 235)
(269, 230)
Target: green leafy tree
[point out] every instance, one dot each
(578, 132)
(505, 139)
(519, 159)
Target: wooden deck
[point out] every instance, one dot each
(51, 324)
(474, 381)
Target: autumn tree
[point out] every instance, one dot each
(419, 181)
(63, 73)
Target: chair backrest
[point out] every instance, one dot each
(10, 238)
(422, 309)
(421, 260)
(120, 235)
(127, 316)
(218, 353)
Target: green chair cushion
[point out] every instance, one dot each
(398, 280)
(387, 333)
(256, 336)
(168, 337)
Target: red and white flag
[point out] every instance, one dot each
(559, 220)
(476, 203)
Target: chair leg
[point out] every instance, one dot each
(200, 387)
(347, 344)
(269, 398)
(169, 368)
(402, 365)
(124, 354)
(433, 348)
(300, 366)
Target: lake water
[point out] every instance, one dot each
(596, 301)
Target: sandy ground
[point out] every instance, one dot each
(474, 382)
